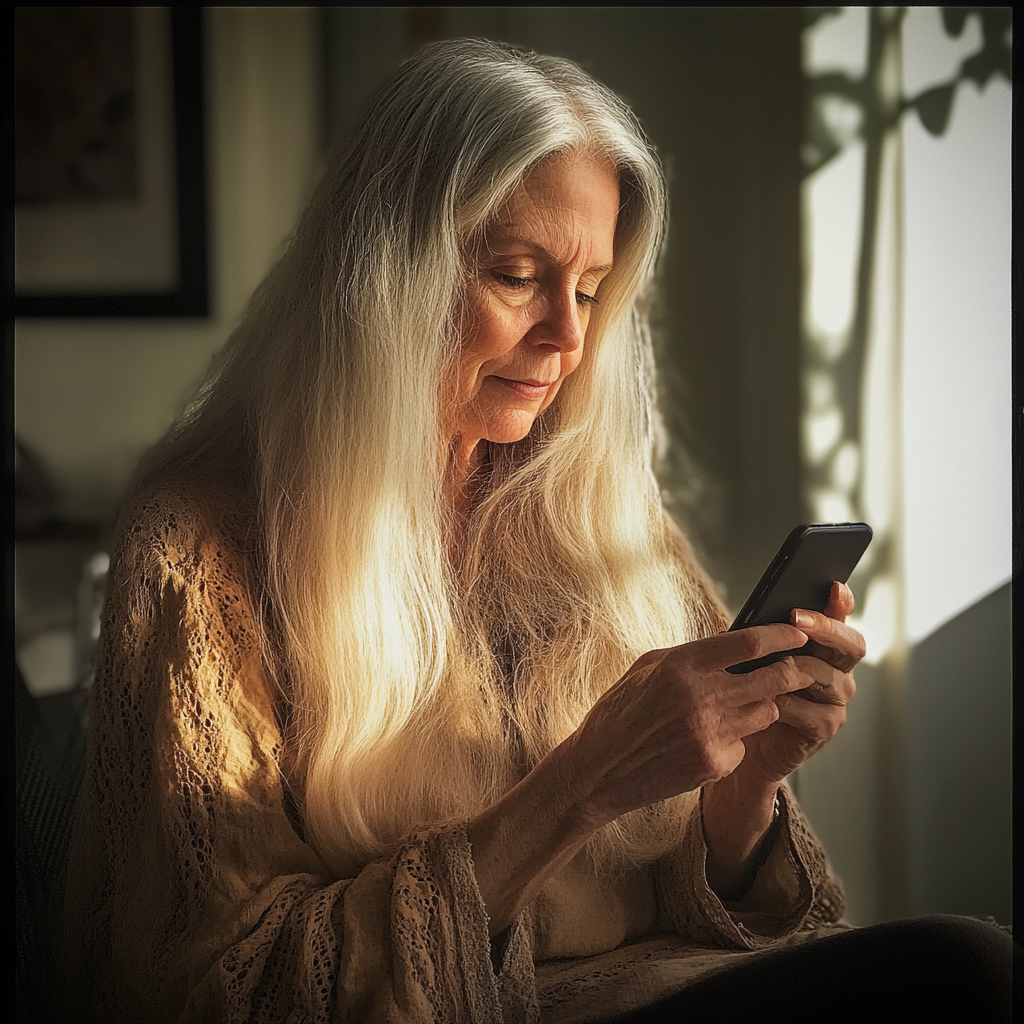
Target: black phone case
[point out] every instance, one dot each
(801, 575)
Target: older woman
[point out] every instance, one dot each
(412, 701)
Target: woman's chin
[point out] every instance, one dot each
(509, 426)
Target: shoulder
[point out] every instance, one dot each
(184, 556)
(176, 523)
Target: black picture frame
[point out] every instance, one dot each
(190, 297)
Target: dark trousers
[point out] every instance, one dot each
(926, 969)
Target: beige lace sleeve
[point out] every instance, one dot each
(191, 895)
(793, 892)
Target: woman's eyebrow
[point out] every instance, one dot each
(511, 241)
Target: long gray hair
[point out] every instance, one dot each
(420, 691)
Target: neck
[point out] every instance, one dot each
(467, 459)
(467, 469)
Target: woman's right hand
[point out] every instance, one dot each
(676, 720)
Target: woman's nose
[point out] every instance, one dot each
(561, 325)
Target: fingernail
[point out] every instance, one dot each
(802, 619)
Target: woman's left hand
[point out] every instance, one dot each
(810, 718)
(738, 809)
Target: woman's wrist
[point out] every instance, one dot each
(528, 835)
(738, 813)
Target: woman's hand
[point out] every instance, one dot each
(810, 717)
(677, 720)
(674, 722)
(738, 810)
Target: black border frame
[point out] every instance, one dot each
(191, 296)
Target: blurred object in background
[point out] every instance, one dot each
(92, 591)
(39, 504)
(36, 498)
(74, 104)
(60, 569)
(59, 591)
(109, 212)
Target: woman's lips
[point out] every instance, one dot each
(532, 390)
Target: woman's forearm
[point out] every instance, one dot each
(542, 823)
(529, 835)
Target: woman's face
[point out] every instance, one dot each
(526, 313)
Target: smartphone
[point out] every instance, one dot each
(801, 575)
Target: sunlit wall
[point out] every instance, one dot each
(906, 424)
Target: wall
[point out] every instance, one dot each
(908, 359)
(91, 396)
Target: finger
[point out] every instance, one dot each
(725, 649)
(767, 682)
(817, 723)
(840, 602)
(830, 686)
(845, 646)
(747, 719)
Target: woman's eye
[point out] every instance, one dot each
(517, 283)
(513, 282)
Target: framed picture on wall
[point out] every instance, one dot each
(110, 185)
